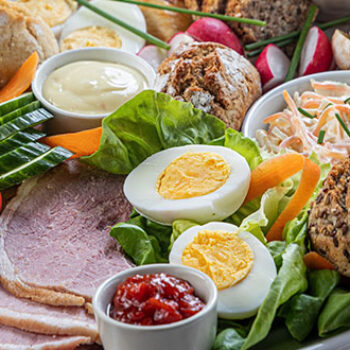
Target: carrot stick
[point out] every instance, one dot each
(81, 143)
(307, 184)
(22, 80)
(273, 117)
(314, 261)
(272, 172)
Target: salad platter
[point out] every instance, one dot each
(174, 174)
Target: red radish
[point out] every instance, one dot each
(153, 55)
(178, 39)
(272, 64)
(316, 55)
(341, 49)
(211, 29)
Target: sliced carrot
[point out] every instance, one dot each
(323, 119)
(272, 172)
(273, 117)
(81, 143)
(311, 104)
(308, 181)
(22, 80)
(314, 261)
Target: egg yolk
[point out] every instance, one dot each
(193, 175)
(223, 256)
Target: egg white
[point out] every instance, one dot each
(140, 188)
(243, 299)
(130, 14)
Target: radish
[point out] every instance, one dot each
(211, 29)
(316, 55)
(341, 49)
(178, 39)
(153, 55)
(272, 64)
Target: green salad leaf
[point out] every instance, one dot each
(180, 226)
(147, 124)
(229, 339)
(143, 240)
(301, 312)
(266, 212)
(276, 249)
(245, 146)
(335, 315)
(291, 279)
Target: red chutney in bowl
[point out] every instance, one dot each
(154, 299)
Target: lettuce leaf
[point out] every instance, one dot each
(291, 279)
(147, 124)
(302, 310)
(267, 210)
(143, 240)
(335, 315)
(180, 226)
(245, 146)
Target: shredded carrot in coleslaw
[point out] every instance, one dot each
(292, 130)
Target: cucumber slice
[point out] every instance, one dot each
(20, 139)
(21, 155)
(23, 122)
(16, 103)
(19, 111)
(44, 162)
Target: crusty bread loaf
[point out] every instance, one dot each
(213, 78)
(164, 24)
(282, 16)
(20, 36)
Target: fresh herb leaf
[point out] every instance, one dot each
(305, 113)
(321, 137)
(342, 123)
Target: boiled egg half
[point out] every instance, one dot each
(239, 264)
(197, 182)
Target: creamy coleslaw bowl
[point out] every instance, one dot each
(194, 333)
(273, 101)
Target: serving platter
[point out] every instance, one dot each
(140, 205)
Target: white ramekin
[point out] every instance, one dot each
(194, 333)
(65, 121)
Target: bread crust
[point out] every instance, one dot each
(329, 218)
(20, 36)
(281, 16)
(213, 78)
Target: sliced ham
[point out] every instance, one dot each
(30, 316)
(55, 246)
(14, 339)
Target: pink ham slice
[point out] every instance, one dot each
(30, 316)
(55, 246)
(14, 339)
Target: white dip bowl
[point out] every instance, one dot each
(66, 121)
(194, 333)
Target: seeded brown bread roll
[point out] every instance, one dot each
(329, 219)
(20, 36)
(213, 78)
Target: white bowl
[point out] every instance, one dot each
(273, 101)
(131, 14)
(65, 121)
(194, 333)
